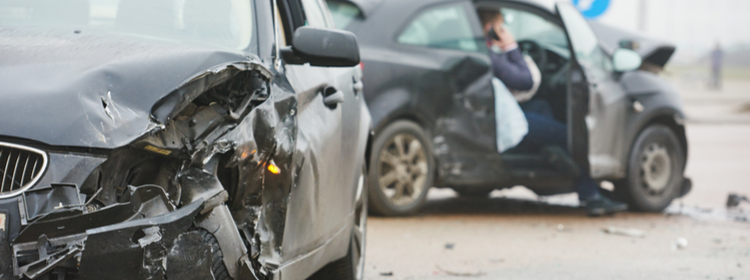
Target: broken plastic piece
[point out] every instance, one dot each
(625, 232)
(679, 244)
(152, 235)
(734, 200)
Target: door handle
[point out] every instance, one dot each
(332, 97)
(358, 86)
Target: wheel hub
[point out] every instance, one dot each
(656, 168)
(403, 169)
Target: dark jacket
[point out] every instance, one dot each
(512, 70)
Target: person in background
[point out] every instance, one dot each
(544, 132)
(717, 56)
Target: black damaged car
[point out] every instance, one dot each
(428, 74)
(180, 139)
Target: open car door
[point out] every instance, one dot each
(585, 49)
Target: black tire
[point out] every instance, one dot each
(473, 192)
(635, 189)
(380, 203)
(218, 267)
(350, 267)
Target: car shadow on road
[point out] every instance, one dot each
(492, 206)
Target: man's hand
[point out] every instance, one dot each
(507, 41)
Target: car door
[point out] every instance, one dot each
(581, 81)
(606, 108)
(323, 187)
(452, 72)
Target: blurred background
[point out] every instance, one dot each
(694, 26)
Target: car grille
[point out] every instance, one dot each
(20, 168)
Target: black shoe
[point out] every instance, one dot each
(561, 161)
(604, 206)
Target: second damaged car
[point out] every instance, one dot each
(179, 139)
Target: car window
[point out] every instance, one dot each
(280, 28)
(226, 23)
(528, 26)
(585, 42)
(446, 27)
(344, 13)
(315, 13)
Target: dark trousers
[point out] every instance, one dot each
(546, 131)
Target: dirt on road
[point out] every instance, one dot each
(500, 238)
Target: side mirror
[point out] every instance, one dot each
(322, 47)
(625, 60)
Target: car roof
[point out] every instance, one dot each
(367, 7)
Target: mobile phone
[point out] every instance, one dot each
(492, 34)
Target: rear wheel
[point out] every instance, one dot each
(401, 169)
(655, 170)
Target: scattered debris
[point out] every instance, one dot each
(460, 274)
(744, 108)
(679, 244)
(387, 273)
(563, 228)
(631, 232)
(734, 200)
(449, 246)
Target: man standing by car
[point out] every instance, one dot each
(544, 132)
(717, 57)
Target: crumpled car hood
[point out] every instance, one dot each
(652, 50)
(91, 89)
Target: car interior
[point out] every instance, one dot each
(545, 42)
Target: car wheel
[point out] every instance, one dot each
(352, 266)
(472, 192)
(218, 268)
(655, 168)
(401, 169)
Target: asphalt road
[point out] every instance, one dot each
(516, 235)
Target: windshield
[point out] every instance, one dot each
(344, 13)
(528, 26)
(224, 23)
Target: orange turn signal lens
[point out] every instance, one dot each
(273, 168)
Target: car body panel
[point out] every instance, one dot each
(78, 84)
(654, 51)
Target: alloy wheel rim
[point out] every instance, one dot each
(402, 169)
(360, 229)
(656, 168)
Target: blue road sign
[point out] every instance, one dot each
(592, 9)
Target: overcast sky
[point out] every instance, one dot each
(693, 25)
